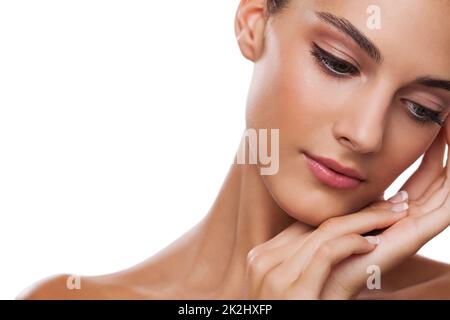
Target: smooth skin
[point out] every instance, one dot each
(276, 273)
(287, 236)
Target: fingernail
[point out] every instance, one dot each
(400, 207)
(399, 197)
(373, 239)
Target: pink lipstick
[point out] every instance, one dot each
(336, 176)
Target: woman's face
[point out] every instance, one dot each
(331, 98)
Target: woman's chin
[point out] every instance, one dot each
(311, 207)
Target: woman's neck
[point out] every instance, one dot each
(243, 215)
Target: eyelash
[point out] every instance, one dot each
(429, 117)
(329, 62)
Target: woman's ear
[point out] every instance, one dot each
(249, 26)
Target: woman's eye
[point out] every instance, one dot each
(423, 115)
(333, 65)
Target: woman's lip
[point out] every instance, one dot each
(337, 167)
(330, 177)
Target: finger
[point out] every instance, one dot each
(431, 224)
(258, 265)
(435, 198)
(312, 280)
(436, 185)
(429, 169)
(438, 191)
(295, 232)
(264, 257)
(400, 196)
(447, 139)
(361, 222)
(267, 255)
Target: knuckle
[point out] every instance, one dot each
(257, 264)
(415, 204)
(254, 252)
(329, 225)
(324, 251)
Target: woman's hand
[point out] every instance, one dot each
(296, 264)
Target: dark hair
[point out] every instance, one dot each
(275, 5)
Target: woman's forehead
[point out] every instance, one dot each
(410, 31)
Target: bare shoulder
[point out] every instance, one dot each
(423, 268)
(433, 279)
(53, 287)
(72, 287)
(146, 280)
(62, 287)
(418, 277)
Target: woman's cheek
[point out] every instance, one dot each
(298, 198)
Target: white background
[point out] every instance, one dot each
(118, 123)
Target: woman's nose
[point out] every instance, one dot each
(361, 126)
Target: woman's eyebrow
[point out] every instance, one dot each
(434, 83)
(345, 26)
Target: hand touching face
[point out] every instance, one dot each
(331, 261)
